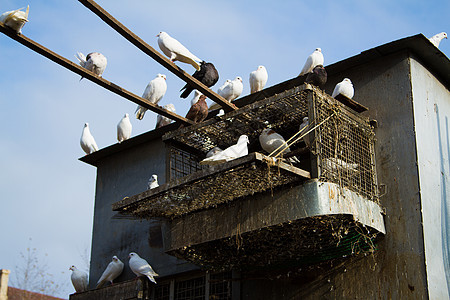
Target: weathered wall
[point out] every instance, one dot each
(397, 269)
(125, 174)
(431, 113)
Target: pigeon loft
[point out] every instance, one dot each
(249, 201)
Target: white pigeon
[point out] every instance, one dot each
(15, 19)
(271, 141)
(306, 138)
(197, 95)
(140, 266)
(162, 120)
(230, 91)
(235, 151)
(436, 39)
(213, 151)
(112, 271)
(87, 141)
(316, 58)
(79, 279)
(176, 51)
(94, 62)
(345, 87)
(220, 91)
(258, 79)
(152, 182)
(155, 90)
(336, 164)
(124, 129)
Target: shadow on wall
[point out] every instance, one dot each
(445, 218)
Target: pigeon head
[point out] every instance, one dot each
(243, 138)
(318, 50)
(268, 131)
(444, 35)
(72, 268)
(154, 178)
(115, 258)
(161, 76)
(161, 33)
(132, 254)
(261, 67)
(238, 78)
(86, 125)
(305, 119)
(347, 80)
(202, 98)
(126, 115)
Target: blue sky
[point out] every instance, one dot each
(47, 194)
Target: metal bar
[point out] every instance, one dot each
(27, 42)
(147, 49)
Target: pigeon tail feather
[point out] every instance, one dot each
(140, 112)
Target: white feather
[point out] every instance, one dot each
(15, 19)
(112, 271)
(155, 90)
(87, 141)
(235, 151)
(140, 267)
(176, 51)
(258, 79)
(345, 87)
(316, 58)
(79, 279)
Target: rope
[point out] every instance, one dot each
(299, 138)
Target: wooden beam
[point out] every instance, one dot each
(147, 49)
(27, 42)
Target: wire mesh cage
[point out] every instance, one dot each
(344, 147)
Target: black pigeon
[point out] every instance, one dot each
(317, 77)
(207, 75)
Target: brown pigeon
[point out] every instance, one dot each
(198, 111)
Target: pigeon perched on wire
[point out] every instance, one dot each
(79, 279)
(162, 120)
(436, 39)
(152, 182)
(155, 90)
(317, 77)
(94, 62)
(207, 75)
(176, 51)
(199, 111)
(87, 141)
(141, 267)
(112, 271)
(235, 151)
(124, 128)
(271, 141)
(15, 19)
(345, 87)
(258, 79)
(315, 59)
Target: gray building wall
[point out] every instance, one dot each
(397, 270)
(120, 175)
(431, 114)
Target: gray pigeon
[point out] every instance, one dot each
(207, 75)
(79, 279)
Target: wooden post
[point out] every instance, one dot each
(27, 42)
(147, 49)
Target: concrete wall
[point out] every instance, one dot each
(431, 118)
(125, 174)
